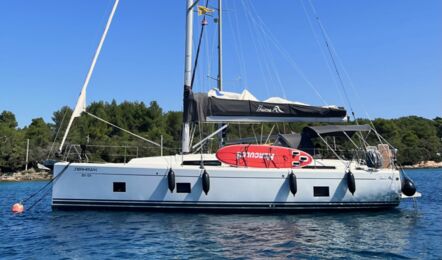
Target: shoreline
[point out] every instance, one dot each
(30, 175)
(424, 165)
(411, 167)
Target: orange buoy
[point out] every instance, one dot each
(18, 208)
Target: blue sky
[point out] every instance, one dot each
(391, 50)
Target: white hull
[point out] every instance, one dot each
(86, 185)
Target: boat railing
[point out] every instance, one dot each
(346, 154)
(112, 153)
(373, 156)
(101, 153)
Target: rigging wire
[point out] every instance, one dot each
(267, 51)
(44, 187)
(323, 52)
(195, 65)
(238, 46)
(333, 151)
(133, 134)
(122, 129)
(285, 54)
(56, 134)
(336, 61)
(270, 134)
(212, 54)
(344, 70)
(254, 40)
(254, 134)
(205, 76)
(329, 49)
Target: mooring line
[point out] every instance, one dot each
(42, 188)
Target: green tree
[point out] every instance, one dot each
(7, 119)
(12, 143)
(438, 125)
(39, 134)
(61, 119)
(418, 139)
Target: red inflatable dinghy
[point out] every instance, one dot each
(263, 156)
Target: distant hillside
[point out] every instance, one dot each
(418, 139)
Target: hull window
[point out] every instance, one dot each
(318, 167)
(321, 192)
(206, 162)
(183, 187)
(119, 187)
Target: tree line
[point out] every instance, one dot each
(417, 139)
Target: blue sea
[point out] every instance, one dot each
(405, 233)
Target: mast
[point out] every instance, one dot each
(220, 45)
(185, 140)
(220, 61)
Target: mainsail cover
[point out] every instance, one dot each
(218, 106)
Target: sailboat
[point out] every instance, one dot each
(288, 176)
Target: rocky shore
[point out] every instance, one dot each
(29, 175)
(424, 165)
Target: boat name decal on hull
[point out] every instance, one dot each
(85, 169)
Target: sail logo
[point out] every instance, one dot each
(275, 109)
(255, 155)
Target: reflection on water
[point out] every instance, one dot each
(399, 233)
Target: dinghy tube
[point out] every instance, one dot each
(171, 180)
(206, 182)
(293, 184)
(351, 183)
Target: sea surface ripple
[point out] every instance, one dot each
(402, 233)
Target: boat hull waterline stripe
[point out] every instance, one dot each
(184, 205)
